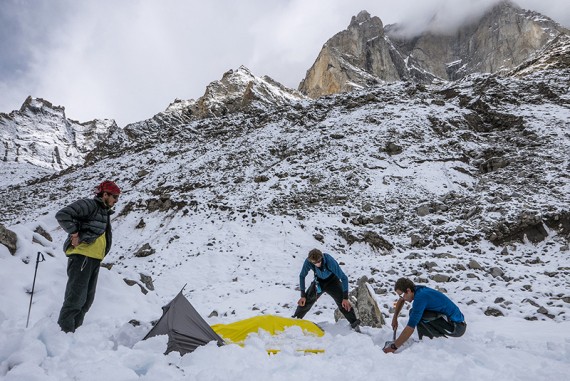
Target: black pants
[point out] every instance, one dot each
(82, 274)
(331, 286)
(433, 324)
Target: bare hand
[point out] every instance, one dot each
(302, 301)
(75, 239)
(346, 304)
(388, 349)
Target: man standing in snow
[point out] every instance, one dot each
(329, 278)
(433, 313)
(88, 223)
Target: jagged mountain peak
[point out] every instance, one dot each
(364, 19)
(350, 59)
(37, 105)
(238, 90)
(242, 83)
(367, 54)
(38, 139)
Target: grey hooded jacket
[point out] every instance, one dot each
(89, 217)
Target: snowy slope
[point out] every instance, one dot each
(39, 140)
(462, 186)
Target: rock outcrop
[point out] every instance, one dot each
(9, 239)
(365, 305)
(39, 139)
(356, 57)
(367, 53)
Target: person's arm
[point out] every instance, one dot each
(404, 336)
(69, 218)
(413, 320)
(304, 271)
(334, 268)
(302, 275)
(397, 308)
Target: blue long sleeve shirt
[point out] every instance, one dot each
(329, 267)
(428, 299)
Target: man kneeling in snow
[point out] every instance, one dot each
(433, 313)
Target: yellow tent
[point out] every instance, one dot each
(238, 331)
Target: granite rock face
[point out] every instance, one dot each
(357, 56)
(368, 53)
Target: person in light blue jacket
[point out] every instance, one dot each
(330, 279)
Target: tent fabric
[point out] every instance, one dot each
(238, 331)
(185, 328)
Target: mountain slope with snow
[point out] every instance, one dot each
(40, 140)
(462, 186)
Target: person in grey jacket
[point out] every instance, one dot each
(88, 225)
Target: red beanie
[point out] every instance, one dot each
(109, 187)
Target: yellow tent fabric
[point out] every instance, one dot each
(237, 332)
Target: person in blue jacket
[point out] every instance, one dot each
(433, 313)
(330, 279)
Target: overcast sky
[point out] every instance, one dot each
(128, 59)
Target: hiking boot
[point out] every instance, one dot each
(355, 325)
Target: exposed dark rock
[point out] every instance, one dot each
(441, 278)
(9, 239)
(392, 148)
(490, 311)
(144, 251)
(133, 282)
(496, 272)
(39, 230)
(147, 281)
(527, 225)
(141, 224)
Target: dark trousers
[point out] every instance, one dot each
(331, 286)
(434, 324)
(82, 273)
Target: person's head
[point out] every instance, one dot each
(315, 257)
(405, 289)
(109, 192)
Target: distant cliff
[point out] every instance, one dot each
(367, 53)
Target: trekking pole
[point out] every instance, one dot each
(34, 284)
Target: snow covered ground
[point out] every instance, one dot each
(256, 274)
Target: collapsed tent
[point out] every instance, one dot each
(185, 328)
(238, 331)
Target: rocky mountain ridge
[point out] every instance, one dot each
(367, 53)
(39, 139)
(352, 59)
